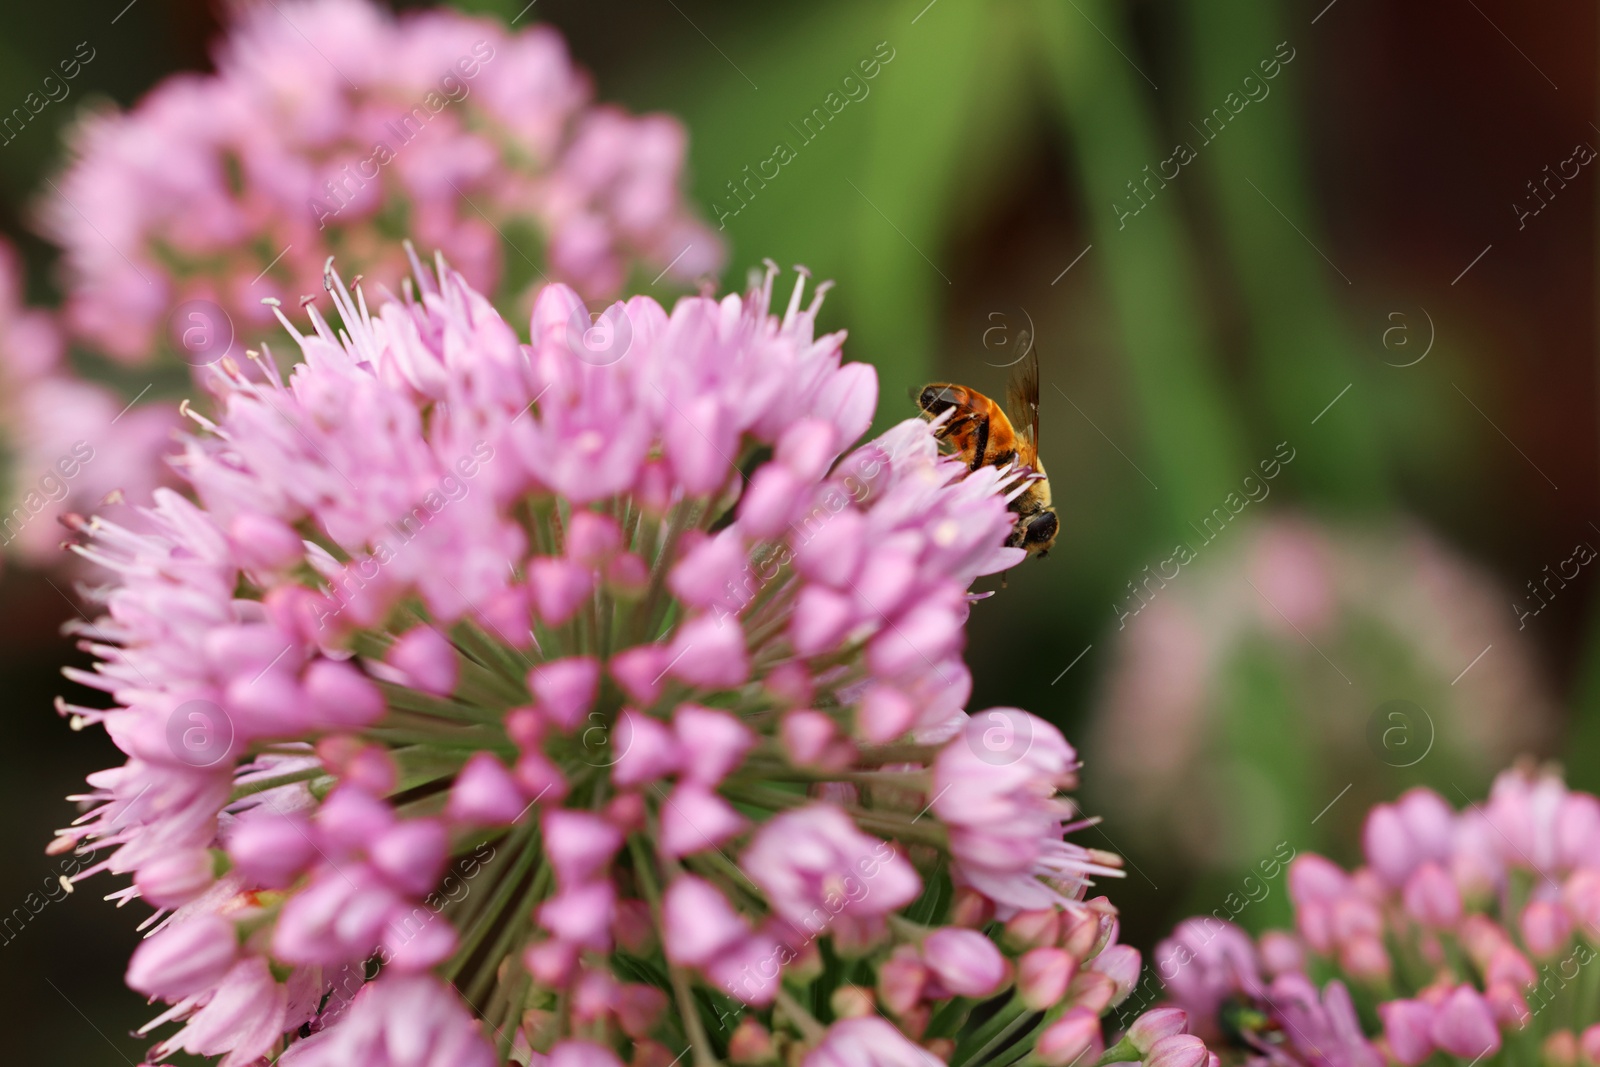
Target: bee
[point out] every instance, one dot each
(981, 434)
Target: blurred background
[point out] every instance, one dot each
(1311, 286)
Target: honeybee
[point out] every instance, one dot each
(982, 434)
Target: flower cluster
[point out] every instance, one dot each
(527, 703)
(68, 443)
(1396, 609)
(1468, 934)
(332, 127)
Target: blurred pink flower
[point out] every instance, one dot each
(68, 443)
(1348, 618)
(331, 126)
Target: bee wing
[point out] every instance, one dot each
(1022, 404)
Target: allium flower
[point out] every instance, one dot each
(503, 703)
(1393, 605)
(1470, 934)
(67, 443)
(332, 127)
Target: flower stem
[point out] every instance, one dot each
(693, 1026)
(808, 1024)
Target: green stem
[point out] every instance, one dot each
(694, 1027)
(1149, 263)
(306, 775)
(484, 922)
(994, 1028)
(810, 1028)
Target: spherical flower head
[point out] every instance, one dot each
(333, 126)
(470, 665)
(1450, 933)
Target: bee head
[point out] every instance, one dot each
(1040, 533)
(936, 399)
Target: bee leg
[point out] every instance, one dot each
(982, 445)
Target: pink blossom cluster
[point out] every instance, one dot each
(1177, 675)
(332, 127)
(68, 442)
(646, 625)
(1468, 934)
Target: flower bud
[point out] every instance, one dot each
(710, 653)
(1073, 1037)
(565, 689)
(263, 542)
(900, 980)
(699, 923)
(184, 958)
(1407, 1027)
(965, 962)
(1156, 1024)
(339, 693)
(1589, 1045)
(852, 1002)
(485, 793)
(550, 962)
(1508, 966)
(592, 538)
(1043, 975)
(633, 928)
(1581, 895)
(1092, 990)
(558, 587)
(1365, 958)
(1431, 897)
(1031, 929)
(1507, 1004)
(579, 844)
(751, 1044)
(1121, 964)
(1281, 953)
(412, 854)
(1178, 1050)
(427, 659)
(1080, 930)
(270, 849)
(1546, 928)
(1560, 1049)
(1463, 1025)
(174, 879)
(971, 909)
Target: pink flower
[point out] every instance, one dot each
(1070, 1039)
(1178, 1050)
(965, 963)
(398, 1021)
(996, 788)
(1540, 824)
(378, 662)
(867, 1042)
(1463, 1025)
(184, 958)
(1156, 1024)
(1431, 896)
(821, 872)
(326, 124)
(71, 443)
(1400, 836)
(1205, 962)
(1408, 1027)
